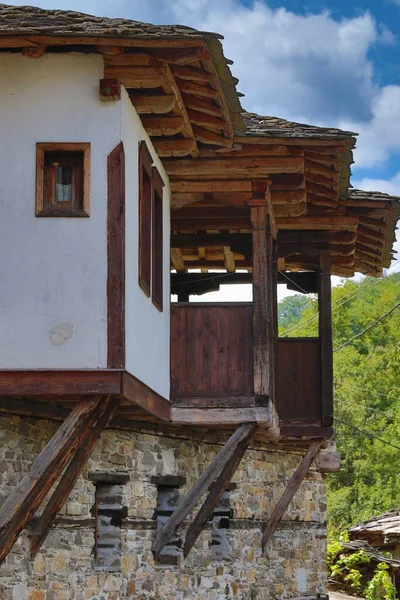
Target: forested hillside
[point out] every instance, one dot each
(367, 393)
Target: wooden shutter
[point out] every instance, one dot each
(145, 202)
(157, 239)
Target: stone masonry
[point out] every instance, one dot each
(293, 566)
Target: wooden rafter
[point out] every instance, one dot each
(70, 477)
(19, 508)
(216, 492)
(290, 490)
(202, 485)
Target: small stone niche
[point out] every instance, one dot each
(167, 500)
(109, 512)
(220, 548)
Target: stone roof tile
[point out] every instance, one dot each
(258, 125)
(30, 20)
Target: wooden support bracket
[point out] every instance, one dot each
(216, 492)
(19, 508)
(203, 484)
(291, 489)
(70, 477)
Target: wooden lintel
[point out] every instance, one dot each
(221, 416)
(216, 492)
(34, 52)
(70, 477)
(202, 485)
(290, 490)
(21, 505)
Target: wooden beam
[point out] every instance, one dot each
(315, 223)
(194, 89)
(205, 106)
(20, 506)
(153, 104)
(262, 310)
(59, 382)
(212, 185)
(162, 44)
(234, 167)
(70, 477)
(200, 118)
(220, 416)
(177, 261)
(140, 394)
(216, 492)
(110, 89)
(229, 259)
(325, 334)
(202, 485)
(168, 125)
(191, 74)
(291, 489)
(172, 147)
(36, 52)
(136, 77)
(209, 137)
(27, 408)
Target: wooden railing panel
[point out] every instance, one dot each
(211, 350)
(299, 379)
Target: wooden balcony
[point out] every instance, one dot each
(212, 364)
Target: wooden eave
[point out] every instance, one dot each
(175, 84)
(306, 178)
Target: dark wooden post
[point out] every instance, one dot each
(325, 335)
(263, 328)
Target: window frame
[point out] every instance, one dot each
(157, 241)
(45, 180)
(145, 210)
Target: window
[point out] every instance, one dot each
(167, 501)
(109, 512)
(150, 228)
(62, 179)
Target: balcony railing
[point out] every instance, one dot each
(212, 358)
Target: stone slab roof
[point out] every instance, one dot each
(30, 20)
(386, 524)
(372, 196)
(258, 125)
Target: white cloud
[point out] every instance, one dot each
(391, 186)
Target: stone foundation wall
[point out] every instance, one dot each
(293, 566)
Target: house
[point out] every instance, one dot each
(150, 449)
(383, 534)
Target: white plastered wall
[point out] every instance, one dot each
(53, 271)
(147, 329)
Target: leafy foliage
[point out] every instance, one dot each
(380, 586)
(367, 396)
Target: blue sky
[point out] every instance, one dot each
(333, 63)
